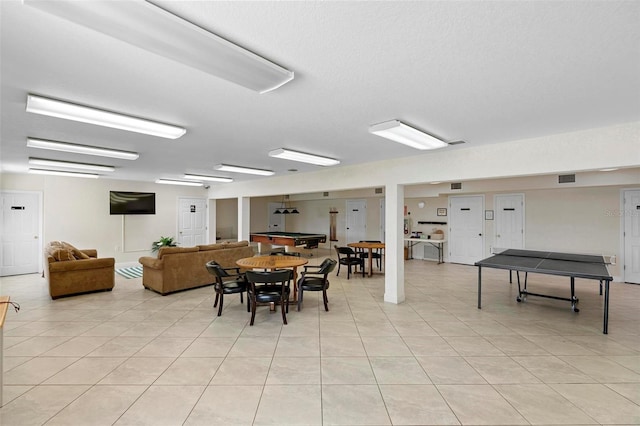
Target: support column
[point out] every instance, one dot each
(244, 218)
(213, 221)
(394, 244)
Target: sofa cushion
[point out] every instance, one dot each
(238, 244)
(61, 254)
(63, 251)
(76, 253)
(207, 247)
(172, 250)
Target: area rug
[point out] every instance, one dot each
(133, 272)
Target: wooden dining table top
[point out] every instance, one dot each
(272, 262)
(366, 245)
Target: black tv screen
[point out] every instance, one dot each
(121, 202)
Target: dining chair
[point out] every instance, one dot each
(349, 258)
(375, 253)
(269, 287)
(314, 278)
(227, 283)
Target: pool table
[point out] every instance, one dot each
(289, 238)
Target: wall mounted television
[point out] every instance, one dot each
(122, 202)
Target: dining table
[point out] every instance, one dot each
(369, 246)
(275, 262)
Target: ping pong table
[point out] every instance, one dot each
(570, 265)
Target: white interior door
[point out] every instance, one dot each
(509, 221)
(466, 229)
(631, 218)
(192, 221)
(20, 241)
(276, 221)
(356, 220)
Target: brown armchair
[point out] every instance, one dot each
(70, 271)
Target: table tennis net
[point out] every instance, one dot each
(573, 257)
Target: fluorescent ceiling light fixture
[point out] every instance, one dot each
(208, 178)
(610, 169)
(86, 114)
(157, 30)
(287, 154)
(178, 182)
(81, 149)
(61, 173)
(70, 165)
(397, 131)
(247, 170)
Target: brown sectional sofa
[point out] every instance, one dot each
(182, 268)
(70, 271)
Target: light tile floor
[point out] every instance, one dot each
(133, 357)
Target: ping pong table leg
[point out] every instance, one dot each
(510, 276)
(605, 328)
(479, 287)
(600, 287)
(574, 299)
(521, 291)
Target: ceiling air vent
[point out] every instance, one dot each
(456, 142)
(325, 194)
(378, 190)
(566, 178)
(456, 185)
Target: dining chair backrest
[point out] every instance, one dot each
(326, 266)
(348, 251)
(214, 268)
(281, 276)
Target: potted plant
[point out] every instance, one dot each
(163, 242)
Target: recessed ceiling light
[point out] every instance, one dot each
(70, 165)
(610, 169)
(247, 170)
(302, 157)
(208, 178)
(81, 149)
(86, 114)
(61, 173)
(397, 131)
(178, 182)
(147, 26)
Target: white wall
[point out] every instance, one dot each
(77, 211)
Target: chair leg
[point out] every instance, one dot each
(338, 273)
(326, 301)
(248, 303)
(348, 271)
(299, 298)
(215, 303)
(221, 303)
(282, 308)
(253, 310)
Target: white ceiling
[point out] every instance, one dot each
(482, 72)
